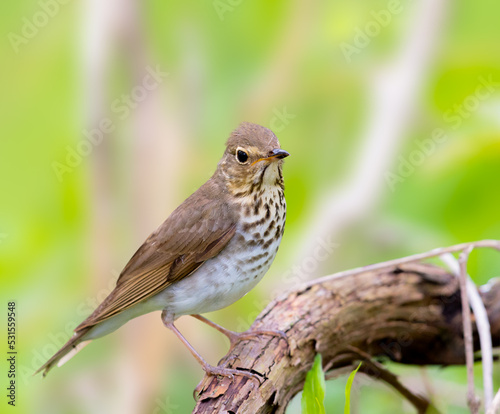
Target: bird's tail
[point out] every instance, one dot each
(68, 351)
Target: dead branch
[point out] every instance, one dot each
(409, 313)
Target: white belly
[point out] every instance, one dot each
(220, 281)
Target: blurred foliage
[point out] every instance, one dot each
(260, 58)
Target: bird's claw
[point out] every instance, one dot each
(254, 334)
(224, 372)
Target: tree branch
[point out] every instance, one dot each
(409, 313)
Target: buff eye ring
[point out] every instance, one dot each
(241, 156)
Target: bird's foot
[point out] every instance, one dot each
(253, 335)
(222, 371)
(234, 337)
(230, 373)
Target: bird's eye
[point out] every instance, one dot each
(241, 156)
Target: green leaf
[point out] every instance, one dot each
(313, 395)
(347, 407)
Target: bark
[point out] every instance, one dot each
(409, 313)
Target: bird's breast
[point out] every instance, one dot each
(260, 230)
(236, 270)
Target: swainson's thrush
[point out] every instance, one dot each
(211, 251)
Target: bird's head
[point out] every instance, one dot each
(253, 158)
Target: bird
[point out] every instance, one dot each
(211, 251)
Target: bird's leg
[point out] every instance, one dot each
(209, 369)
(234, 337)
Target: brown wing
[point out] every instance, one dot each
(196, 231)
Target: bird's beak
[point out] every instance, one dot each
(275, 154)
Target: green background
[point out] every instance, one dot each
(63, 242)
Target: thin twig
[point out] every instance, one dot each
(472, 400)
(483, 328)
(484, 331)
(494, 244)
(376, 370)
(495, 405)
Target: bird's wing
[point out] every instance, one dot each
(195, 232)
